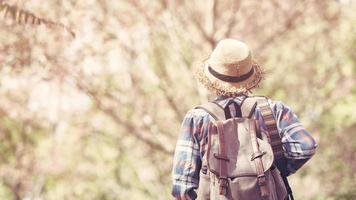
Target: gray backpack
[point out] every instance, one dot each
(239, 161)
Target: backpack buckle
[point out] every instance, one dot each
(220, 157)
(257, 155)
(223, 184)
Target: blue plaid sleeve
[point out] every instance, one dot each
(187, 161)
(298, 143)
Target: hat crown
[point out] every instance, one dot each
(228, 52)
(231, 57)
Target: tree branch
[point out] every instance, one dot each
(129, 126)
(232, 19)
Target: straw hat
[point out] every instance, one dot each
(230, 69)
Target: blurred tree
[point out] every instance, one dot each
(97, 117)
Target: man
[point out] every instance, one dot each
(231, 74)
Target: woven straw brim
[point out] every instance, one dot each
(223, 88)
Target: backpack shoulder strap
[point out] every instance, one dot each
(275, 141)
(271, 125)
(218, 113)
(215, 110)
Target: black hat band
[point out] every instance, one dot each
(231, 79)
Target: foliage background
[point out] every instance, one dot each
(97, 116)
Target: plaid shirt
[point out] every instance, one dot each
(298, 144)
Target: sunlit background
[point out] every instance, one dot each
(97, 116)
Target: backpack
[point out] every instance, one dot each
(240, 163)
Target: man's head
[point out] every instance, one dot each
(230, 70)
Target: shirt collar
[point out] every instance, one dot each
(224, 100)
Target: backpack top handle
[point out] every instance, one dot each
(215, 110)
(248, 106)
